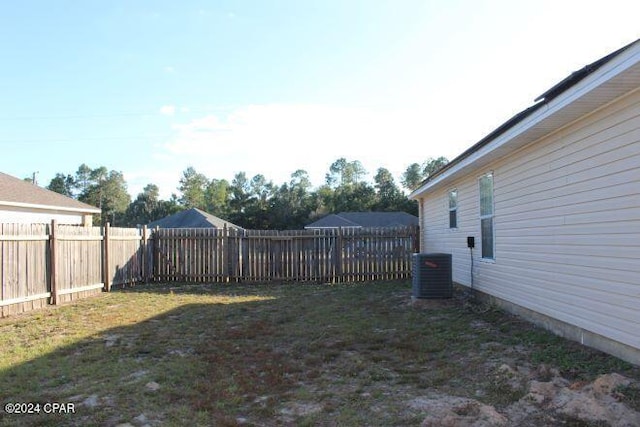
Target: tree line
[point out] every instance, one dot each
(253, 203)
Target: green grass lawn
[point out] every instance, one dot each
(290, 354)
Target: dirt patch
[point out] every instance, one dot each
(450, 411)
(553, 402)
(593, 402)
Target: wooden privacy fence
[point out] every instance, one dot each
(332, 255)
(50, 263)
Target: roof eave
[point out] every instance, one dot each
(50, 207)
(533, 123)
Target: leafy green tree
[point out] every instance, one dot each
(98, 174)
(292, 203)
(324, 195)
(256, 210)
(141, 210)
(388, 195)
(108, 191)
(343, 172)
(300, 180)
(83, 178)
(432, 166)
(336, 170)
(239, 195)
(217, 197)
(349, 191)
(360, 197)
(251, 203)
(260, 188)
(412, 177)
(193, 186)
(415, 174)
(63, 184)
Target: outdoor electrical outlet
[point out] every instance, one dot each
(471, 242)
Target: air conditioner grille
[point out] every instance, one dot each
(432, 277)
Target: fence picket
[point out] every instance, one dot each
(64, 262)
(199, 255)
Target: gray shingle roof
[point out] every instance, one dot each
(366, 219)
(192, 218)
(17, 191)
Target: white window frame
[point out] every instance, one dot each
(487, 216)
(453, 209)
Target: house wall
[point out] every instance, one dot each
(567, 228)
(11, 214)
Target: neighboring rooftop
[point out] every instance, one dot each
(17, 192)
(365, 219)
(192, 218)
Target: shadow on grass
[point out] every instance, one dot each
(241, 354)
(195, 363)
(237, 355)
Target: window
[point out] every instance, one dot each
(486, 216)
(453, 208)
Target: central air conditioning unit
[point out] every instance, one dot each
(432, 276)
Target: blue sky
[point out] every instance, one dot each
(149, 88)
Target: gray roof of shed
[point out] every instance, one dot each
(17, 192)
(192, 218)
(365, 219)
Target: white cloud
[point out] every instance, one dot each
(168, 110)
(166, 178)
(277, 139)
(169, 69)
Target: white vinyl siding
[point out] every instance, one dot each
(437, 237)
(566, 224)
(26, 216)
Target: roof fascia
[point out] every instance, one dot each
(525, 124)
(50, 207)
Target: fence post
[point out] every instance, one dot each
(53, 262)
(338, 255)
(226, 254)
(156, 273)
(242, 257)
(145, 239)
(105, 255)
